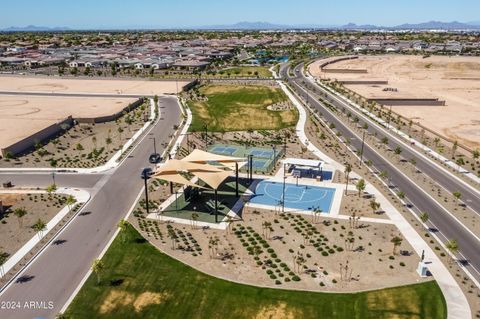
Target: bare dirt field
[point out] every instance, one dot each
(56, 85)
(15, 231)
(22, 116)
(455, 80)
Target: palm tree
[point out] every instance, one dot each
(348, 169)
(39, 227)
(452, 246)
(396, 241)
(122, 225)
(360, 186)
(70, 201)
(98, 266)
(20, 212)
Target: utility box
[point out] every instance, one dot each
(422, 269)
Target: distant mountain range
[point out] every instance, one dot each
(431, 25)
(34, 28)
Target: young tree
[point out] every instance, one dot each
(122, 225)
(452, 246)
(348, 170)
(39, 227)
(108, 141)
(454, 148)
(98, 266)
(194, 220)
(70, 201)
(374, 205)
(20, 212)
(360, 186)
(457, 196)
(396, 241)
(173, 237)
(424, 217)
(3, 259)
(51, 189)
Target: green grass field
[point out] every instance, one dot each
(240, 108)
(141, 282)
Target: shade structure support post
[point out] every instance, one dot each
(146, 196)
(216, 206)
(236, 179)
(171, 188)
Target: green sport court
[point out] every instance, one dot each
(263, 158)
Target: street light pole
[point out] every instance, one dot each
(53, 177)
(154, 145)
(206, 136)
(146, 172)
(283, 189)
(361, 151)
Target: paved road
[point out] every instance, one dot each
(55, 274)
(60, 94)
(447, 226)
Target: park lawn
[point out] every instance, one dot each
(240, 108)
(141, 282)
(246, 71)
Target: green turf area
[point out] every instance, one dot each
(240, 108)
(245, 71)
(204, 203)
(141, 282)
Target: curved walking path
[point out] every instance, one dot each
(457, 304)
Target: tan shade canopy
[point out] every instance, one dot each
(197, 165)
(178, 179)
(174, 166)
(199, 156)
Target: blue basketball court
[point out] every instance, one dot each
(301, 197)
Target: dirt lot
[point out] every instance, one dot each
(455, 80)
(22, 116)
(84, 145)
(326, 248)
(14, 233)
(47, 84)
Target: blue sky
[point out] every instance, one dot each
(184, 13)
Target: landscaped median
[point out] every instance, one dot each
(138, 281)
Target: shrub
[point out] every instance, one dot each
(278, 282)
(296, 278)
(324, 253)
